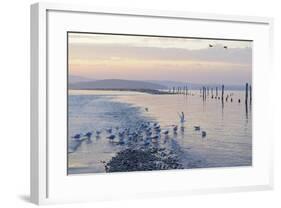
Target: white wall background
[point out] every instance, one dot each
(14, 102)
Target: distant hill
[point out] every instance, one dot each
(75, 79)
(116, 84)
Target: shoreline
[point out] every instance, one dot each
(148, 91)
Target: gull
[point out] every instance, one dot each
(98, 133)
(109, 130)
(77, 136)
(121, 133)
(204, 134)
(166, 132)
(130, 137)
(146, 142)
(182, 129)
(155, 137)
(197, 128)
(121, 141)
(88, 134)
(111, 137)
(148, 129)
(157, 128)
(175, 128)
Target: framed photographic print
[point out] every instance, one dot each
(132, 103)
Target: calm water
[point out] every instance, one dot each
(229, 127)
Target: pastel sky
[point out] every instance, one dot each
(100, 56)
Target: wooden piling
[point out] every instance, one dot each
(246, 94)
(204, 93)
(250, 94)
(216, 92)
(222, 92)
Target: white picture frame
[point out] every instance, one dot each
(50, 184)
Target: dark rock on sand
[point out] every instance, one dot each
(142, 160)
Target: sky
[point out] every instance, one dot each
(107, 56)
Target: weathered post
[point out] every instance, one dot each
(203, 89)
(246, 94)
(250, 94)
(204, 93)
(222, 92)
(216, 92)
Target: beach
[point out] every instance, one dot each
(228, 140)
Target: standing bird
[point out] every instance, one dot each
(147, 142)
(181, 115)
(109, 130)
(98, 133)
(121, 133)
(111, 137)
(88, 134)
(175, 128)
(210, 45)
(197, 128)
(146, 109)
(77, 136)
(166, 132)
(204, 134)
(156, 128)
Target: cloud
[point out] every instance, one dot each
(145, 59)
(215, 54)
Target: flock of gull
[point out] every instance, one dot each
(146, 132)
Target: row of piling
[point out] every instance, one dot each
(209, 92)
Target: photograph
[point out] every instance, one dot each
(140, 102)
